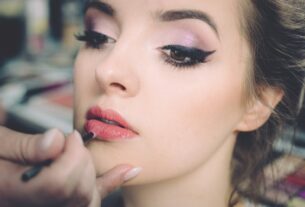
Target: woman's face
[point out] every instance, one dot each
(173, 70)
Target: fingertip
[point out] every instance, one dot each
(51, 144)
(78, 137)
(118, 170)
(116, 177)
(132, 173)
(48, 138)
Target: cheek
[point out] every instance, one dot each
(183, 119)
(84, 87)
(184, 122)
(194, 121)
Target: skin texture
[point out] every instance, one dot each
(187, 119)
(68, 181)
(192, 100)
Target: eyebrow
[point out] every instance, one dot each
(167, 16)
(189, 14)
(99, 5)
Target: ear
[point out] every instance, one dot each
(260, 109)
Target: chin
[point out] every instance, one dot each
(108, 155)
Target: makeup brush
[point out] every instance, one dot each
(32, 172)
(88, 137)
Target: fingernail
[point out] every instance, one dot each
(77, 135)
(47, 139)
(132, 173)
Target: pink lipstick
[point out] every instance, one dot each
(108, 125)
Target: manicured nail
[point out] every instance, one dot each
(47, 140)
(132, 173)
(77, 135)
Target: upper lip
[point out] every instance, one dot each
(108, 116)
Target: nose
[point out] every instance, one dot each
(116, 74)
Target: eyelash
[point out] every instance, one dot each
(94, 39)
(175, 55)
(184, 57)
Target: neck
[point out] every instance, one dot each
(209, 185)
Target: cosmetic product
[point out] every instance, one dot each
(284, 180)
(37, 18)
(43, 89)
(12, 33)
(296, 202)
(88, 136)
(282, 167)
(302, 194)
(34, 171)
(289, 188)
(295, 180)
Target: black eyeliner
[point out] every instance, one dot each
(183, 57)
(192, 52)
(94, 39)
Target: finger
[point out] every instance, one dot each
(65, 173)
(116, 177)
(86, 186)
(85, 192)
(96, 200)
(26, 148)
(56, 183)
(74, 154)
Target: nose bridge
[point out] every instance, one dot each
(116, 72)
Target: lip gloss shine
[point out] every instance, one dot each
(108, 125)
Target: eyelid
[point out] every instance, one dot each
(94, 39)
(92, 32)
(197, 53)
(190, 56)
(99, 21)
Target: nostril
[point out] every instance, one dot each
(119, 86)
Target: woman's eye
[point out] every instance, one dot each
(181, 56)
(94, 39)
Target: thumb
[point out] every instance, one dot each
(28, 149)
(116, 177)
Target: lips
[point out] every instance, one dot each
(108, 125)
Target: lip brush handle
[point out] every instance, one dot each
(35, 170)
(88, 136)
(32, 172)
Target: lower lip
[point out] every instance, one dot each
(107, 132)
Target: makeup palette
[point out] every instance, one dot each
(285, 182)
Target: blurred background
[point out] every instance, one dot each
(37, 51)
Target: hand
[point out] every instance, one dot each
(2, 115)
(68, 181)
